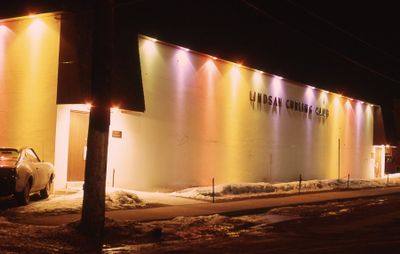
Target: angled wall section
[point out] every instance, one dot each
(29, 48)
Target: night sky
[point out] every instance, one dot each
(349, 47)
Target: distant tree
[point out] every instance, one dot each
(93, 208)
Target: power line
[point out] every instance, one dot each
(307, 11)
(348, 59)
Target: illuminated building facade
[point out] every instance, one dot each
(204, 118)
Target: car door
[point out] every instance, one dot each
(39, 170)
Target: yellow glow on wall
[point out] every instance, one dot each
(235, 73)
(29, 79)
(382, 160)
(324, 97)
(5, 35)
(348, 104)
(369, 109)
(336, 101)
(235, 77)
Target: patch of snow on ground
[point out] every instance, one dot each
(116, 199)
(225, 192)
(128, 199)
(71, 203)
(162, 198)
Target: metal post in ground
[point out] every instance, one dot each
(348, 181)
(113, 178)
(213, 190)
(338, 176)
(300, 179)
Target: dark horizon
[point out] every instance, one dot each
(327, 45)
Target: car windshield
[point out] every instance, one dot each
(8, 154)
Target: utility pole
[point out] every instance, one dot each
(93, 207)
(338, 159)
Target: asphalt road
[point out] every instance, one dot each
(367, 225)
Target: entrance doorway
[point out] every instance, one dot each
(78, 131)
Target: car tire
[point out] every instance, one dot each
(23, 196)
(45, 192)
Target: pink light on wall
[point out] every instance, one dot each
(5, 34)
(36, 28)
(182, 58)
(258, 80)
(3, 30)
(309, 94)
(211, 70)
(277, 85)
(149, 47)
(359, 121)
(210, 65)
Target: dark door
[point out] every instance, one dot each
(78, 130)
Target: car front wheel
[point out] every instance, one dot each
(23, 196)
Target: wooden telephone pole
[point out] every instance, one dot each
(93, 208)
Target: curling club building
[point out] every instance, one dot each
(204, 118)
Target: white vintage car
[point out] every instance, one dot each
(22, 173)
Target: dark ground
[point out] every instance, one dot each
(369, 225)
(358, 226)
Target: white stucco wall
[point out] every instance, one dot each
(199, 123)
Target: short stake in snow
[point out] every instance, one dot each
(213, 190)
(348, 181)
(300, 179)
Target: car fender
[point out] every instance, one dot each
(49, 171)
(22, 177)
(43, 175)
(50, 168)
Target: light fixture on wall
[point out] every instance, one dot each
(114, 109)
(88, 105)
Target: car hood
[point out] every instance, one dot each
(8, 163)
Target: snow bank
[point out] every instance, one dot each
(122, 199)
(72, 203)
(224, 192)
